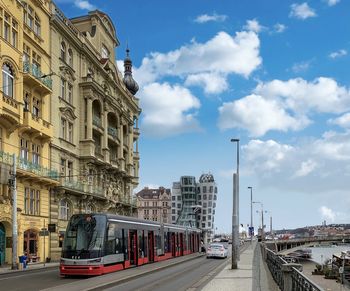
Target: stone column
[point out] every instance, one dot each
(89, 117)
(287, 270)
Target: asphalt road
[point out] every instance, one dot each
(188, 275)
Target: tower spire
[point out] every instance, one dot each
(128, 80)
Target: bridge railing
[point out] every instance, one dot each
(288, 276)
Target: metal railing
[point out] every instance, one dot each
(36, 72)
(299, 282)
(37, 169)
(112, 131)
(96, 120)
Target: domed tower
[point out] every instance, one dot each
(128, 80)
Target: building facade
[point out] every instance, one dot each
(206, 196)
(96, 133)
(154, 204)
(188, 200)
(69, 117)
(25, 126)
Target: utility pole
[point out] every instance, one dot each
(14, 215)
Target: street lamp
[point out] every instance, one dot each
(262, 219)
(251, 213)
(235, 212)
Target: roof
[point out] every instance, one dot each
(147, 193)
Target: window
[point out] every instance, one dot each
(36, 107)
(26, 100)
(70, 132)
(204, 189)
(24, 149)
(7, 26)
(37, 26)
(70, 171)
(31, 201)
(173, 198)
(26, 53)
(205, 197)
(14, 40)
(70, 57)
(211, 189)
(35, 154)
(179, 205)
(63, 167)
(64, 212)
(173, 205)
(63, 88)
(63, 128)
(63, 51)
(173, 211)
(70, 93)
(7, 80)
(104, 53)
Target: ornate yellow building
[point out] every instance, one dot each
(69, 116)
(25, 125)
(96, 113)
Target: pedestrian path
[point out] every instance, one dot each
(31, 266)
(251, 274)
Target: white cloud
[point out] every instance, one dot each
(83, 4)
(266, 157)
(211, 82)
(223, 54)
(214, 17)
(168, 110)
(306, 168)
(253, 25)
(332, 2)
(279, 28)
(320, 95)
(258, 116)
(302, 11)
(301, 67)
(327, 213)
(343, 121)
(338, 54)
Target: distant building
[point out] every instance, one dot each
(154, 204)
(185, 191)
(206, 198)
(193, 204)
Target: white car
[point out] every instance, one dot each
(217, 250)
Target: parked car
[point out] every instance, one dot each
(217, 250)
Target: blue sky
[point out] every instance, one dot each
(272, 73)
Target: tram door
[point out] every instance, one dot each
(181, 244)
(2, 244)
(133, 247)
(150, 246)
(173, 245)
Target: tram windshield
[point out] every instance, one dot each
(84, 236)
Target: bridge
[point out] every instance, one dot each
(285, 247)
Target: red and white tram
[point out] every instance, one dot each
(96, 244)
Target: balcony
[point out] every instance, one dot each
(33, 76)
(96, 120)
(36, 126)
(9, 111)
(6, 158)
(33, 171)
(82, 187)
(112, 131)
(136, 132)
(128, 200)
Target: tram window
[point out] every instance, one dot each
(110, 244)
(125, 244)
(141, 244)
(119, 241)
(159, 244)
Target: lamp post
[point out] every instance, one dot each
(235, 211)
(262, 219)
(251, 213)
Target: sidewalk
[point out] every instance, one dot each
(31, 266)
(251, 274)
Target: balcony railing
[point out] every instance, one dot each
(6, 158)
(128, 200)
(112, 131)
(36, 73)
(37, 169)
(83, 187)
(96, 120)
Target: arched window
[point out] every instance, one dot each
(65, 210)
(7, 80)
(63, 51)
(70, 57)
